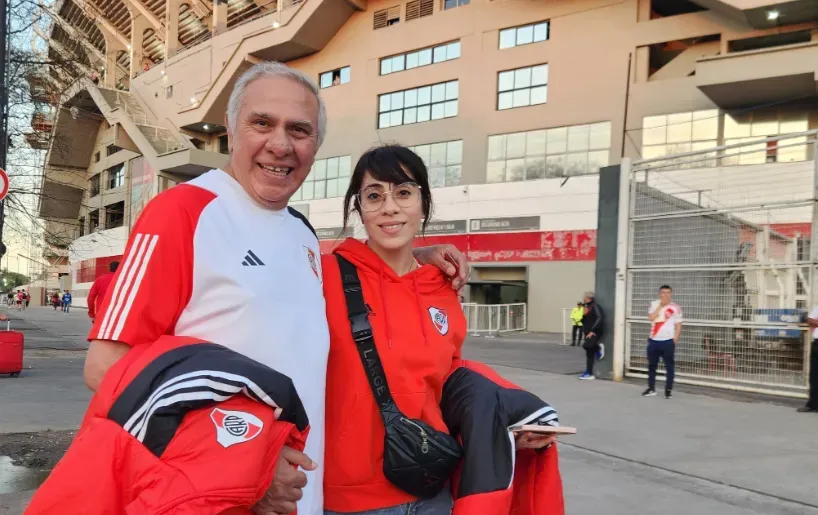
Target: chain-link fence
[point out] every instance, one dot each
(730, 230)
(495, 318)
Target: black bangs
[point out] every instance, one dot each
(384, 164)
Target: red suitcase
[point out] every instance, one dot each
(11, 352)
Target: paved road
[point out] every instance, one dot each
(695, 454)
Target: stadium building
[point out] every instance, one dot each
(514, 105)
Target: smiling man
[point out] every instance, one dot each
(204, 256)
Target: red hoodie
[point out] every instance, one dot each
(97, 293)
(419, 329)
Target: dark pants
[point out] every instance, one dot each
(576, 335)
(664, 349)
(591, 346)
(813, 376)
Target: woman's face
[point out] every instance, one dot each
(391, 213)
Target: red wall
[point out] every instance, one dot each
(514, 246)
(90, 269)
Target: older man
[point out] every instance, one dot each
(204, 256)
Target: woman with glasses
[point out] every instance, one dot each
(418, 328)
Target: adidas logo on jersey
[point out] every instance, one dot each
(252, 260)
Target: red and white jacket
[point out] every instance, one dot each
(178, 427)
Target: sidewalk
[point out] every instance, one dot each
(746, 447)
(50, 392)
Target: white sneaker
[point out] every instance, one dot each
(601, 353)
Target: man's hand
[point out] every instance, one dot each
(447, 258)
(288, 484)
(4, 318)
(589, 335)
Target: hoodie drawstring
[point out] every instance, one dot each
(420, 310)
(383, 308)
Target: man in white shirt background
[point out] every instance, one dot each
(666, 325)
(812, 401)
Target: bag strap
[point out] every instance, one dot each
(362, 335)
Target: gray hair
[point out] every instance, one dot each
(589, 294)
(271, 69)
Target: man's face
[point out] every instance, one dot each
(275, 139)
(664, 296)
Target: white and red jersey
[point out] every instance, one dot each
(664, 325)
(206, 261)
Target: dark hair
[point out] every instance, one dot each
(386, 163)
(665, 287)
(113, 266)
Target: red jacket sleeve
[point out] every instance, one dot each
(92, 299)
(154, 283)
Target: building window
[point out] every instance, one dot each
(444, 162)
(334, 77)
(423, 57)
(761, 124)
(96, 157)
(386, 17)
(116, 176)
(418, 105)
(522, 87)
(547, 153)
(676, 133)
(517, 36)
(451, 4)
(94, 185)
(93, 220)
(329, 178)
(224, 146)
(81, 227)
(112, 149)
(115, 215)
(419, 8)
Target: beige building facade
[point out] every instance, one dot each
(514, 105)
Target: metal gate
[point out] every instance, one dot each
(495, 318)
(730, 230)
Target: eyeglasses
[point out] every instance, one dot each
(405, 195)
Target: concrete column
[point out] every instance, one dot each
(172, 27)
(642, 64)
(110, 66)
(219, 16)
(138, 26)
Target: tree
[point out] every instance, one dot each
(12, 280)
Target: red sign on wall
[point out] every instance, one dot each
(513, 247)
(90, 269)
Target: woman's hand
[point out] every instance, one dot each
(530, 440)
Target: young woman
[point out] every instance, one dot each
(418, 327)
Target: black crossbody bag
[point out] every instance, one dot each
(417, 458)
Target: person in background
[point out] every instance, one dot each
(66, 301)
(99, 288)
(666, 320)
(55, 300)
(592, 319)
(576, 320)
(27, 299)
(812, 401)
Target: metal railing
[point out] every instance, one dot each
(495, 318)
(732, 229)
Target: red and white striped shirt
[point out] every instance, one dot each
(205, 261)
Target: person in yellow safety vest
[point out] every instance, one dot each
(576, 318)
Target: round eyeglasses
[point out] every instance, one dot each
(405, 195)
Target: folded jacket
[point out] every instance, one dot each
(479, 406)
(179, 426)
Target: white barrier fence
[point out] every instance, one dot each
(495, 318)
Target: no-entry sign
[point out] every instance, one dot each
(4, 184)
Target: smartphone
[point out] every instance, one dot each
(558, 430)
